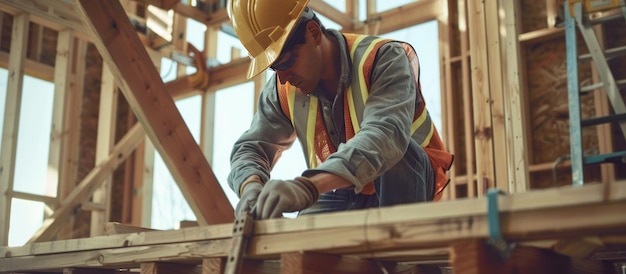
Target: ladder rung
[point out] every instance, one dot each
(603, 19)
(608, 54)
(591, 87)
(614, 157)
(603, 119)
(585, 89)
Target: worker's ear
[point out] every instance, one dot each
(316, 32)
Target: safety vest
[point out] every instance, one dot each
(312, 133)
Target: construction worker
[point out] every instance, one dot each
(354, 103)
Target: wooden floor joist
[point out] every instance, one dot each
(560, 213)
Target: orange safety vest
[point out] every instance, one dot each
(314, 137)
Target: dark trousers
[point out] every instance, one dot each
(411, 180)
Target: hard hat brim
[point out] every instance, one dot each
(264, 60)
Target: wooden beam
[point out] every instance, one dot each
(229, 74)
(538, 215)
(162, 4)
(405, 16)
(88, 185)
(31, 67)
(13, 102)
(113, 228)
(145, 92)
(54, 14)
(330, 12)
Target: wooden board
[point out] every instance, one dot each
(548, 214)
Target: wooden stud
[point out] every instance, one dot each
(169, 268)
(68, 173)
(107, 113)
(217, 265)
(481, 97)
(62, 83)
(448, 131)
(128, 179)
(475, 257)
(207, 124)
(468, 125)
(13, 102)
(142, 86)
(213, 265)
(513, 97)
(309, 263)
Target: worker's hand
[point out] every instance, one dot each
(280, 196)
(248, 197)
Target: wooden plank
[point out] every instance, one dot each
(383, 229)
(481, 97)
(86, 187)
(145, 92)
(13, 103)
(446, 219)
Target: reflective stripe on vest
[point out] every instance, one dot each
(357, 94)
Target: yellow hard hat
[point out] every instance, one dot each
(263, 27)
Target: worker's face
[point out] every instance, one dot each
(301, 65)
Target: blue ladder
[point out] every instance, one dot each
(576, 15)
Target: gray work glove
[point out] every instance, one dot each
(248, 197)
(280, 196)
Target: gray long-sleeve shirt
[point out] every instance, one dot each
(384, 133)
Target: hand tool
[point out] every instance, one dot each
(242, 232)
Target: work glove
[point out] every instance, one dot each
(280, 196)
(248, 197)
